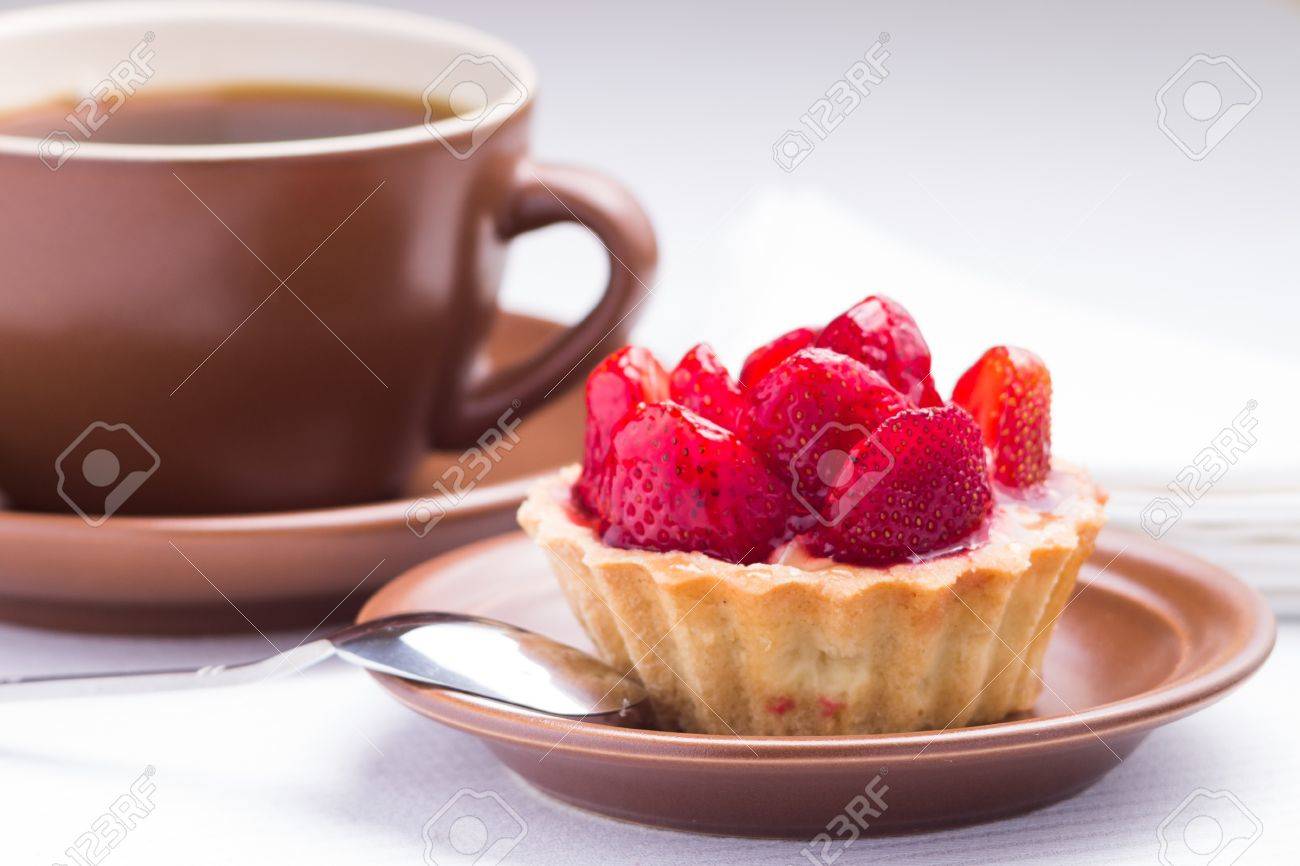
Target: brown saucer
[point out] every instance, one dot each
(281, 569)
(1156, 635)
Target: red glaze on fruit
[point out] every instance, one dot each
(829, 707)
(1009, 392)
(808, 413)
(762, 360)
(681, 482)
(880, 333)
(920, 484)
(623, 381)
(700, 383)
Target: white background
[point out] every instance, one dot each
(1007, 181)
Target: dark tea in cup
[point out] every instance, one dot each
(226, 114)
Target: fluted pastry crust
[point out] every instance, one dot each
(824, 648)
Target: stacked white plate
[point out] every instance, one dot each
(1254, 533)
(1142, 406)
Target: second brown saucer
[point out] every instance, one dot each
(1150, 635)
(276, 570)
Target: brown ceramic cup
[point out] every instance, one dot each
(249, 327)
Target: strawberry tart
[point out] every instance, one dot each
(823, 545)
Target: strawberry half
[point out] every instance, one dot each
(1009, 391)
(806, 415)
(880, 333)
(616, 387)
(681, 482)
(918, 485)
(700, 383)
(762, 360)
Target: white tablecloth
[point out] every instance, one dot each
(325, 767)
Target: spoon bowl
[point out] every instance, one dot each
(492, 659)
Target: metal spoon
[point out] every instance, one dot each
(467, 654)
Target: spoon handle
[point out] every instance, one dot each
(91, 685)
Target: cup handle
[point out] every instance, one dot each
(544, 195)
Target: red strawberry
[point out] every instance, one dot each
(619, 384)
(1009, 391)
(680, 482)
(808, 413)
(700, 383)
(918, 485)
(882, 335)
(761, 361)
